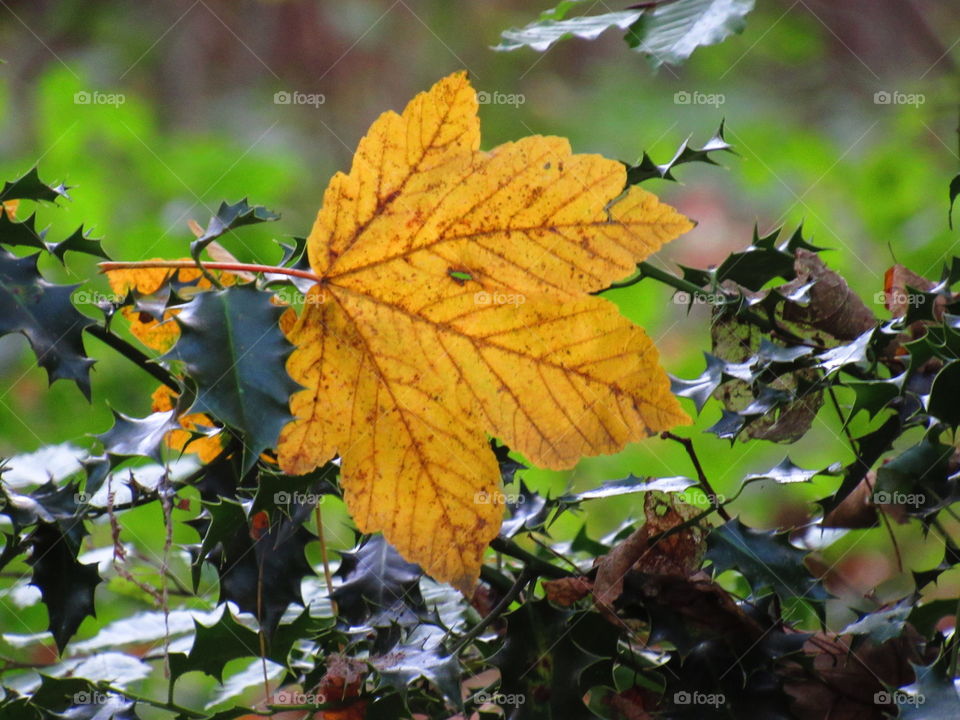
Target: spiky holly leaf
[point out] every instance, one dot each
(230, 217)
(31, 187)
(43, 313)
(379, 587)
(670, 32)
(546, 654)
(630, 485)
(260, 562)
(786, 472)
(647, 169)
(66, 585)
(932, 696)
(454, 302)
(765, 559)
(420, 655)
(131, 437)
(214, 646)
(232, 348)
(553, 25)
(78, 241)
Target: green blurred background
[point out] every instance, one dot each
(181, 113)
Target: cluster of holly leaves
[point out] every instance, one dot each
(683, 611)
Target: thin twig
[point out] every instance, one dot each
(136, 355)
(526, 575)
(701, 475)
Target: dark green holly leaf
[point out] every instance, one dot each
(944, 392)
(214, 646)
(528, 510)
(132, 437)
(728, 426)
(66, 585)
(230, 217)
(700, 389)
(420, 655)
(881, 625)
(21, 234)
(544, 656)
(873, 395)
(48, 503)
(772, 353)
(78, 242)
(508, 466)
(59, 693)
(785, 472)
(44, 314)
(553, 25)
(630, 485)
(848, 354)
(379, 587)
(926, 618)
(769, 399)
(232, 347)
(760, 263)
(31, 187)
(294, 255)
(222, 519)
(647, 169)
(765, 559)
(261, 568)
(932, 696)
(917, 479)
(670, 32)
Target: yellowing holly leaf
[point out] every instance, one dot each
(454, 302)
(205, 448)
(160, 335)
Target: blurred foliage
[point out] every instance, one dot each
(832, 130)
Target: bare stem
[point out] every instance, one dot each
(701, 475)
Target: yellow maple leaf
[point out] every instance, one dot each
(205, 448)
(454, 302)
(10, 208)
(159, 335)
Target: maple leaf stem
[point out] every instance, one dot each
(228, 266)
